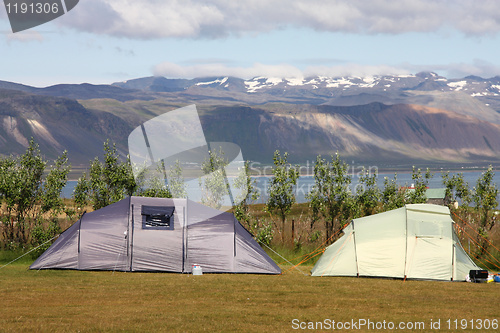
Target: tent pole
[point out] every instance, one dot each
(128, 228)
(79, 239)
(186, 237)
(232, 205)
(452, 250)
(453, 262)
(406, 240)
(79, 229)
(355, 252)
(132, 239)
(184, 218)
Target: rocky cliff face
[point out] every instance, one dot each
(371, 132)
(56, 124)
(420, 118)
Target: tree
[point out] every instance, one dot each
(456, 188)
(214, 184)
(330, 196)
(392, 195)
(367, 193)
(248, 193)
(8, 168)
(419, 194)
(51, 204)
(176, 184)
(485, 200)
(462, 190)
(28, 186)
(107, 182)
(53, 185)
(152, 184)
(281, 194)
(28, 195)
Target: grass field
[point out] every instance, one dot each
(73, 301)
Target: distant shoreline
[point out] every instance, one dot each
(75, 175)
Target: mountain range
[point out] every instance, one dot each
(385, 120)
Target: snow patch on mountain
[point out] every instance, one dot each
(336, 83)
(369, 82)
(219, 81)
(459, 85)
(295, 82)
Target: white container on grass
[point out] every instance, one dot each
(197, 270)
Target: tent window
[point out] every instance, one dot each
(157, 217)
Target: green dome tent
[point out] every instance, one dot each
(158, 235)
(417, 241)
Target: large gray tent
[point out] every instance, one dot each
(157, 234)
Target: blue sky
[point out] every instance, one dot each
(104, 41)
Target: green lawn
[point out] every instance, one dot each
(65, 301)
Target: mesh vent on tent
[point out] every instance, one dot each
(429, 229)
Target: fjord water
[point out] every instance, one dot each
(305, 183)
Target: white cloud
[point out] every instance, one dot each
(144, 19)
(24, 36)
(95, 16)
(453, 70)
(172, 70)
(354, 70)
(150, 19)
(478, 67)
